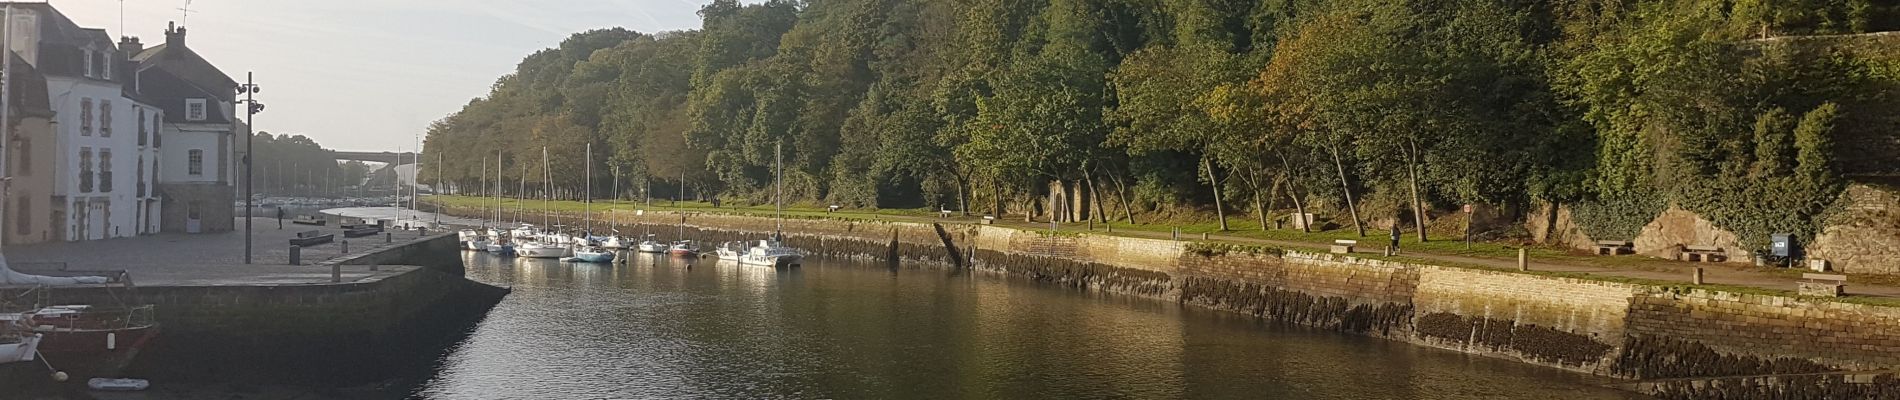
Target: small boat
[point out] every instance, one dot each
(683, 248)
(764, 253)
(614, 242)
(652, 246)
(118, 385)
(592, 254)
(18, 342)
(90, 342)
(542, 250)
(471, 239)
(500, 248)
(771, 252)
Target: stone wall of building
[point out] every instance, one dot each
(214, 206)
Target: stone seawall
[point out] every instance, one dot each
(332, 333)
(1620, 330)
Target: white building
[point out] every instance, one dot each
(199, 128)
(102, 130)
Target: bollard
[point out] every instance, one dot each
(1175, 234)
(1523, 260)
(346, 246)
(336, 273)
(375, 267)
(1203, 236)
(422, 231)
(1388, 251)
(1110, 227)
(1698, 276)
(389, 237)
(296, 255)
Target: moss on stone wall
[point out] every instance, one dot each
(1653, 357)
(1794, 387)
(1292, 307)
(1539, 343)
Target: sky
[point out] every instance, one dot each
(369, 75)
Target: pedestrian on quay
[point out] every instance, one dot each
(280, 218)
(1395, 238)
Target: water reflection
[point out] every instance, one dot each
(660, 327)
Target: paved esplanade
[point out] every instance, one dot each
(210, 259)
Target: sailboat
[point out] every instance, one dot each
(683, 247)
(499, 241)
(770, 252)
(544, 245)
(586, 250)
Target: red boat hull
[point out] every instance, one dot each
(95, 353)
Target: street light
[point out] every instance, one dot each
(252, 107)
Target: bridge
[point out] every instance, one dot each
(408, 157)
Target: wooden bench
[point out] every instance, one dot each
(988, 220)
(362, 230)
(1823, 285)
(1703, 254)
(308, 220)
(1343, 246)
(1615, 247)
(311, 238)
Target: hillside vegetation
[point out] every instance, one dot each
(1368, 112)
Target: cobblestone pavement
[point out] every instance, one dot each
(208, 259)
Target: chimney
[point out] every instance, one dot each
(174, 35)
(130, 45)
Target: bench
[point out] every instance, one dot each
(1703, 254)
(833, 208)
(942, 213)
(1343, 246)
(311, 238)
(1823, 285)
(308, 220)
(362, 230)
(989, 220)
(1615, 247)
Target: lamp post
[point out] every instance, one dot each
(251, 108)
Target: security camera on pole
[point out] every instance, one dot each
(252, 107)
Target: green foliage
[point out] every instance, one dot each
(1616, 108)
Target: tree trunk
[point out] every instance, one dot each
(1351, 209)
(1418, 206)
(1095, 194)
(1128, 208)
(1220, 212)
(963, 194)
(1293, 192)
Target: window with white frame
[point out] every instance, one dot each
(105, 118)
(85, 116)
(195, 109)
(195, 162)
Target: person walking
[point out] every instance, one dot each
(280, 217)
(1395, 238)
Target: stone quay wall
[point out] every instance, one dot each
(1614, 329)
(349, 332)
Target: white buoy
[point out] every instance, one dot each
(59, 376)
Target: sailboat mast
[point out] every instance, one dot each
(778, 152)
(547, 187)
(587, 200)
(486, 206)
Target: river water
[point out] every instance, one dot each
(661, 328)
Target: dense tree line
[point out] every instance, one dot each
(1367, 112)
(295, 164)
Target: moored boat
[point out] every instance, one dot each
(649, 245)
(683, 248)
(88, 342)
(593, 255)
(542, 250)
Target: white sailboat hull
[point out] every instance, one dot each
(21, 351)
(536, 250)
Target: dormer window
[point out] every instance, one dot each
(90, 62)
(195, 109)
(105, 64)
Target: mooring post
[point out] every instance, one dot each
(346, 246)
(389, 237)
(336, 273)
(1698, 276)
(375, 267)
(1523, 259)
(1175, 234)
(422, 231)
(296, 255)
